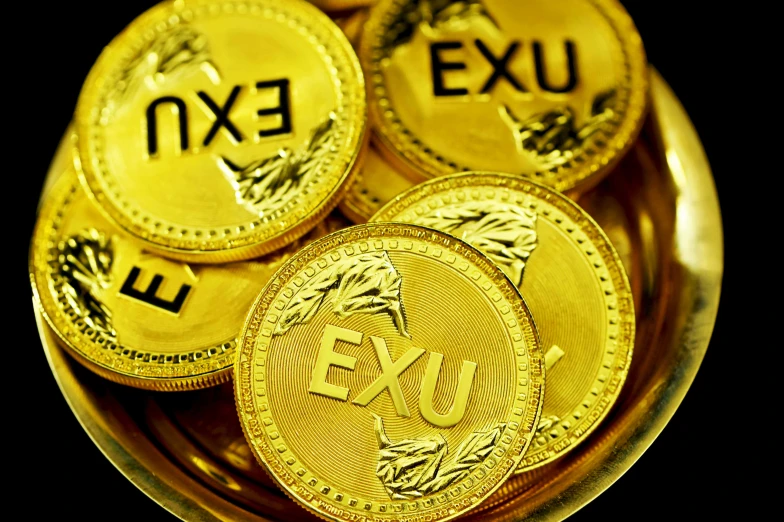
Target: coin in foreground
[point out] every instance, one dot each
(568, 272)
(389, 372)
(134, 317)
(555, 91)
(215, 131)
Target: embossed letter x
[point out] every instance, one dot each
(388, 377)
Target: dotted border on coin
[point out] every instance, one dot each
(165, 235)
(399, 140)
(612, 279)
(269, 446)
(202, 368)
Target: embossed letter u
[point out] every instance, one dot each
(456, 412)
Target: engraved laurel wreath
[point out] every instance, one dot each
(412, 468)
(505, 233)
(364, 284)
(84, 264)
(265, 185)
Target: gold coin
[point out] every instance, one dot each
(376, 183)
(134, 317)
(389, 372)
(568, 272)
(555, 91)
(219, 130)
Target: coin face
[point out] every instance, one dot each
(218, 130)
(134, 317)
(570, 276)
(376, 183)
(554, 91)
(389, 372)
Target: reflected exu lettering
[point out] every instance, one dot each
(388, 380)
(220, 113)
(440, 66)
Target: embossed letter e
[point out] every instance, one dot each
(328, 357)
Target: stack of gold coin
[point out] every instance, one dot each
(471, 323)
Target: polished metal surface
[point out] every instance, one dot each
(660, 209)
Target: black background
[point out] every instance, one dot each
(687, 472)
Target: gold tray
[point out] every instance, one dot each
(186, 451)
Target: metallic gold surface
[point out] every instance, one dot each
(375, 184)
(352, 24)
(201, 136)
(341, 358)
(570, 276)
(131, 316)
(555, 91)
(377, 181)
(659, 202)
(338, 6)
(679, 239)
(209, 419)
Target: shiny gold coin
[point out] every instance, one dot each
(570, 276)
(376, 184)
(134, 317)
(219, 130)
(555, 91)
(389, 372)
